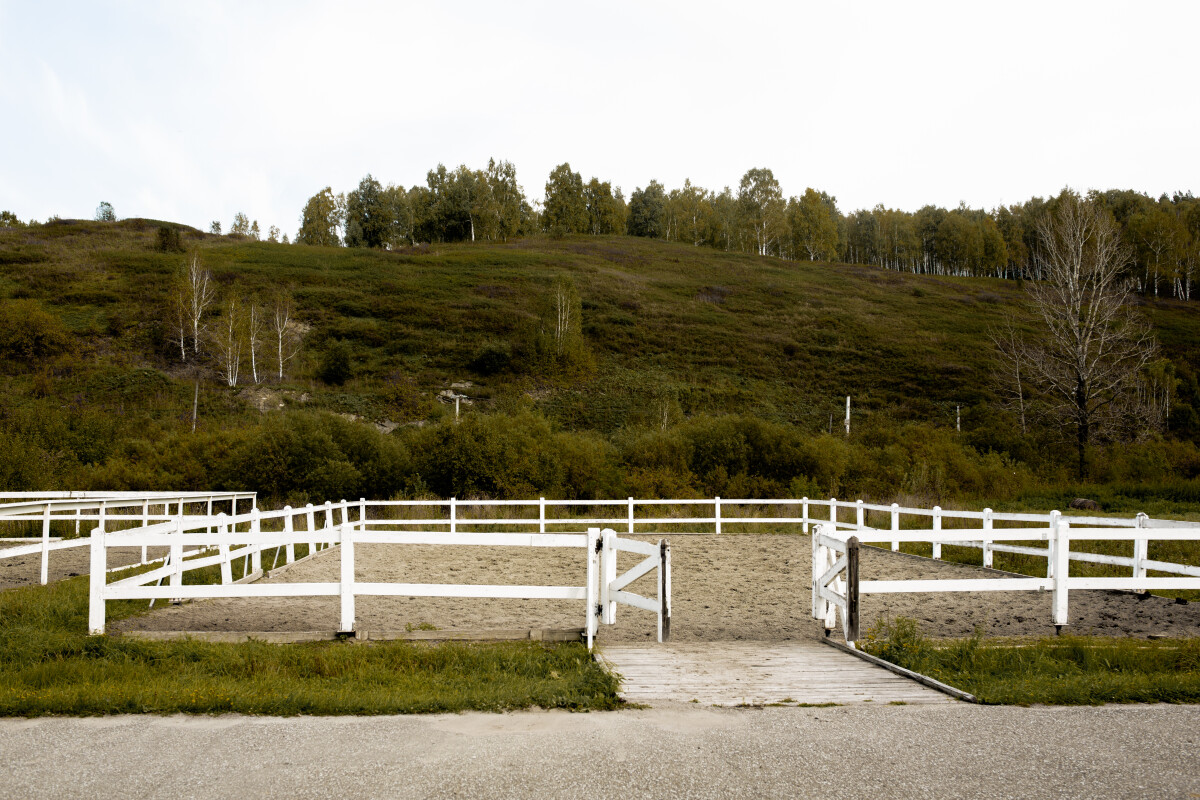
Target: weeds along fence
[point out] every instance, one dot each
(70, 514)
(837, 586)
(346, 525)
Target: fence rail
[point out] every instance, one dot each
(837, 586)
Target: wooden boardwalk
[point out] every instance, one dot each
(754, 673)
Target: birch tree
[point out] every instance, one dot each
(227, 343)
(285, 332)
(194, 294)
(256, 326)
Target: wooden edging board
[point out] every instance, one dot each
(289, 637)
(907, 673)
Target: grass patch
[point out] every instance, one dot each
(1065, 670)
(51, 666)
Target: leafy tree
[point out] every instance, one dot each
(565, 210)
(9, 220)
(760, 202)
(647, 211)
(366, 218)
(813, 221)
(604, 211)
(273, 234)
(167, 239)
(240, 226)
(255, 233)
(105, 213)
(322, 217)
(505, 201)
(215, 227)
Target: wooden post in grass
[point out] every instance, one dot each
(1062, 561)
(851, 619)
(937, 526)
(346, 589)
(895, 525)
(987, 541)
(97, 576)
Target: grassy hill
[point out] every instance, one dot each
(673, 340)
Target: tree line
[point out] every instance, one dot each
(464, 204)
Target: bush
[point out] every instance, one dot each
(167, 240)
(335, 367)
(28, 333)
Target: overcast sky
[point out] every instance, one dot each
(193, 111)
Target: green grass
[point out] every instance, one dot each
(1065, 670)
(50, 666)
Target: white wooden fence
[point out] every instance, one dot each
(837, 585)
(106, 508)
(242, 536)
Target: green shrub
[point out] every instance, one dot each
(28, 333)
(335, 367)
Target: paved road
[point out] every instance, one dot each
(670, 751)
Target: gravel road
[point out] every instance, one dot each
(674, 751)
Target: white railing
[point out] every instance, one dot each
(838, 586)
(601, 592)
(105, 508)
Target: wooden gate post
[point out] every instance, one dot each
(850, 620)
(96, 579)
(608, 574)
(593, 575)
(1062, 570)
(664, 590)
(346, 589)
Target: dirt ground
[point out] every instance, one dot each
(735, 586)
(66, 563)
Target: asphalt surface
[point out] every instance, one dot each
(670, 751)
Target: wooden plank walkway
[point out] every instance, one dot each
(754, 673)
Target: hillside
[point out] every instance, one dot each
(669, 334)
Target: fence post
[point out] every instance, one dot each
(631, 516)
(850, 619)
(145, 522)
(987, 541)
(362, 514)
(256, 548)
(208, 513)
(833, 512)
(593, 575)
(1050, 543)
(804, 513)
(859, 518)
(346, 589)
(664, 590)
(717, 510)
(895, 525)
(289, 549)
(78, 517)
(608, 574)
(177, 558)
(312, 539)
(453, 514)
(328, 519)
(223, 550)
(1140, 553)
(97, 577)
(937, 526)
(45, 577)
(1062, 569)
(541, 515)
(818, 608)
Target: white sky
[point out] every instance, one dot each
(192, 111)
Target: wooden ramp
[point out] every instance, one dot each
(755, 673)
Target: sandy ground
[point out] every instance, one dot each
(66, 563)
(736, 586)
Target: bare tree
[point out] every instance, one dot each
(285, 331)
(1093, 344)
(194, 294)
(1011, 375)
(227, 342)
(563, 322)
(256, 326)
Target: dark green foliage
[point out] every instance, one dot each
(28, 333)
(167, 239)
(335, 366)
(491, 359)
(646, 209)
(1066, 670)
